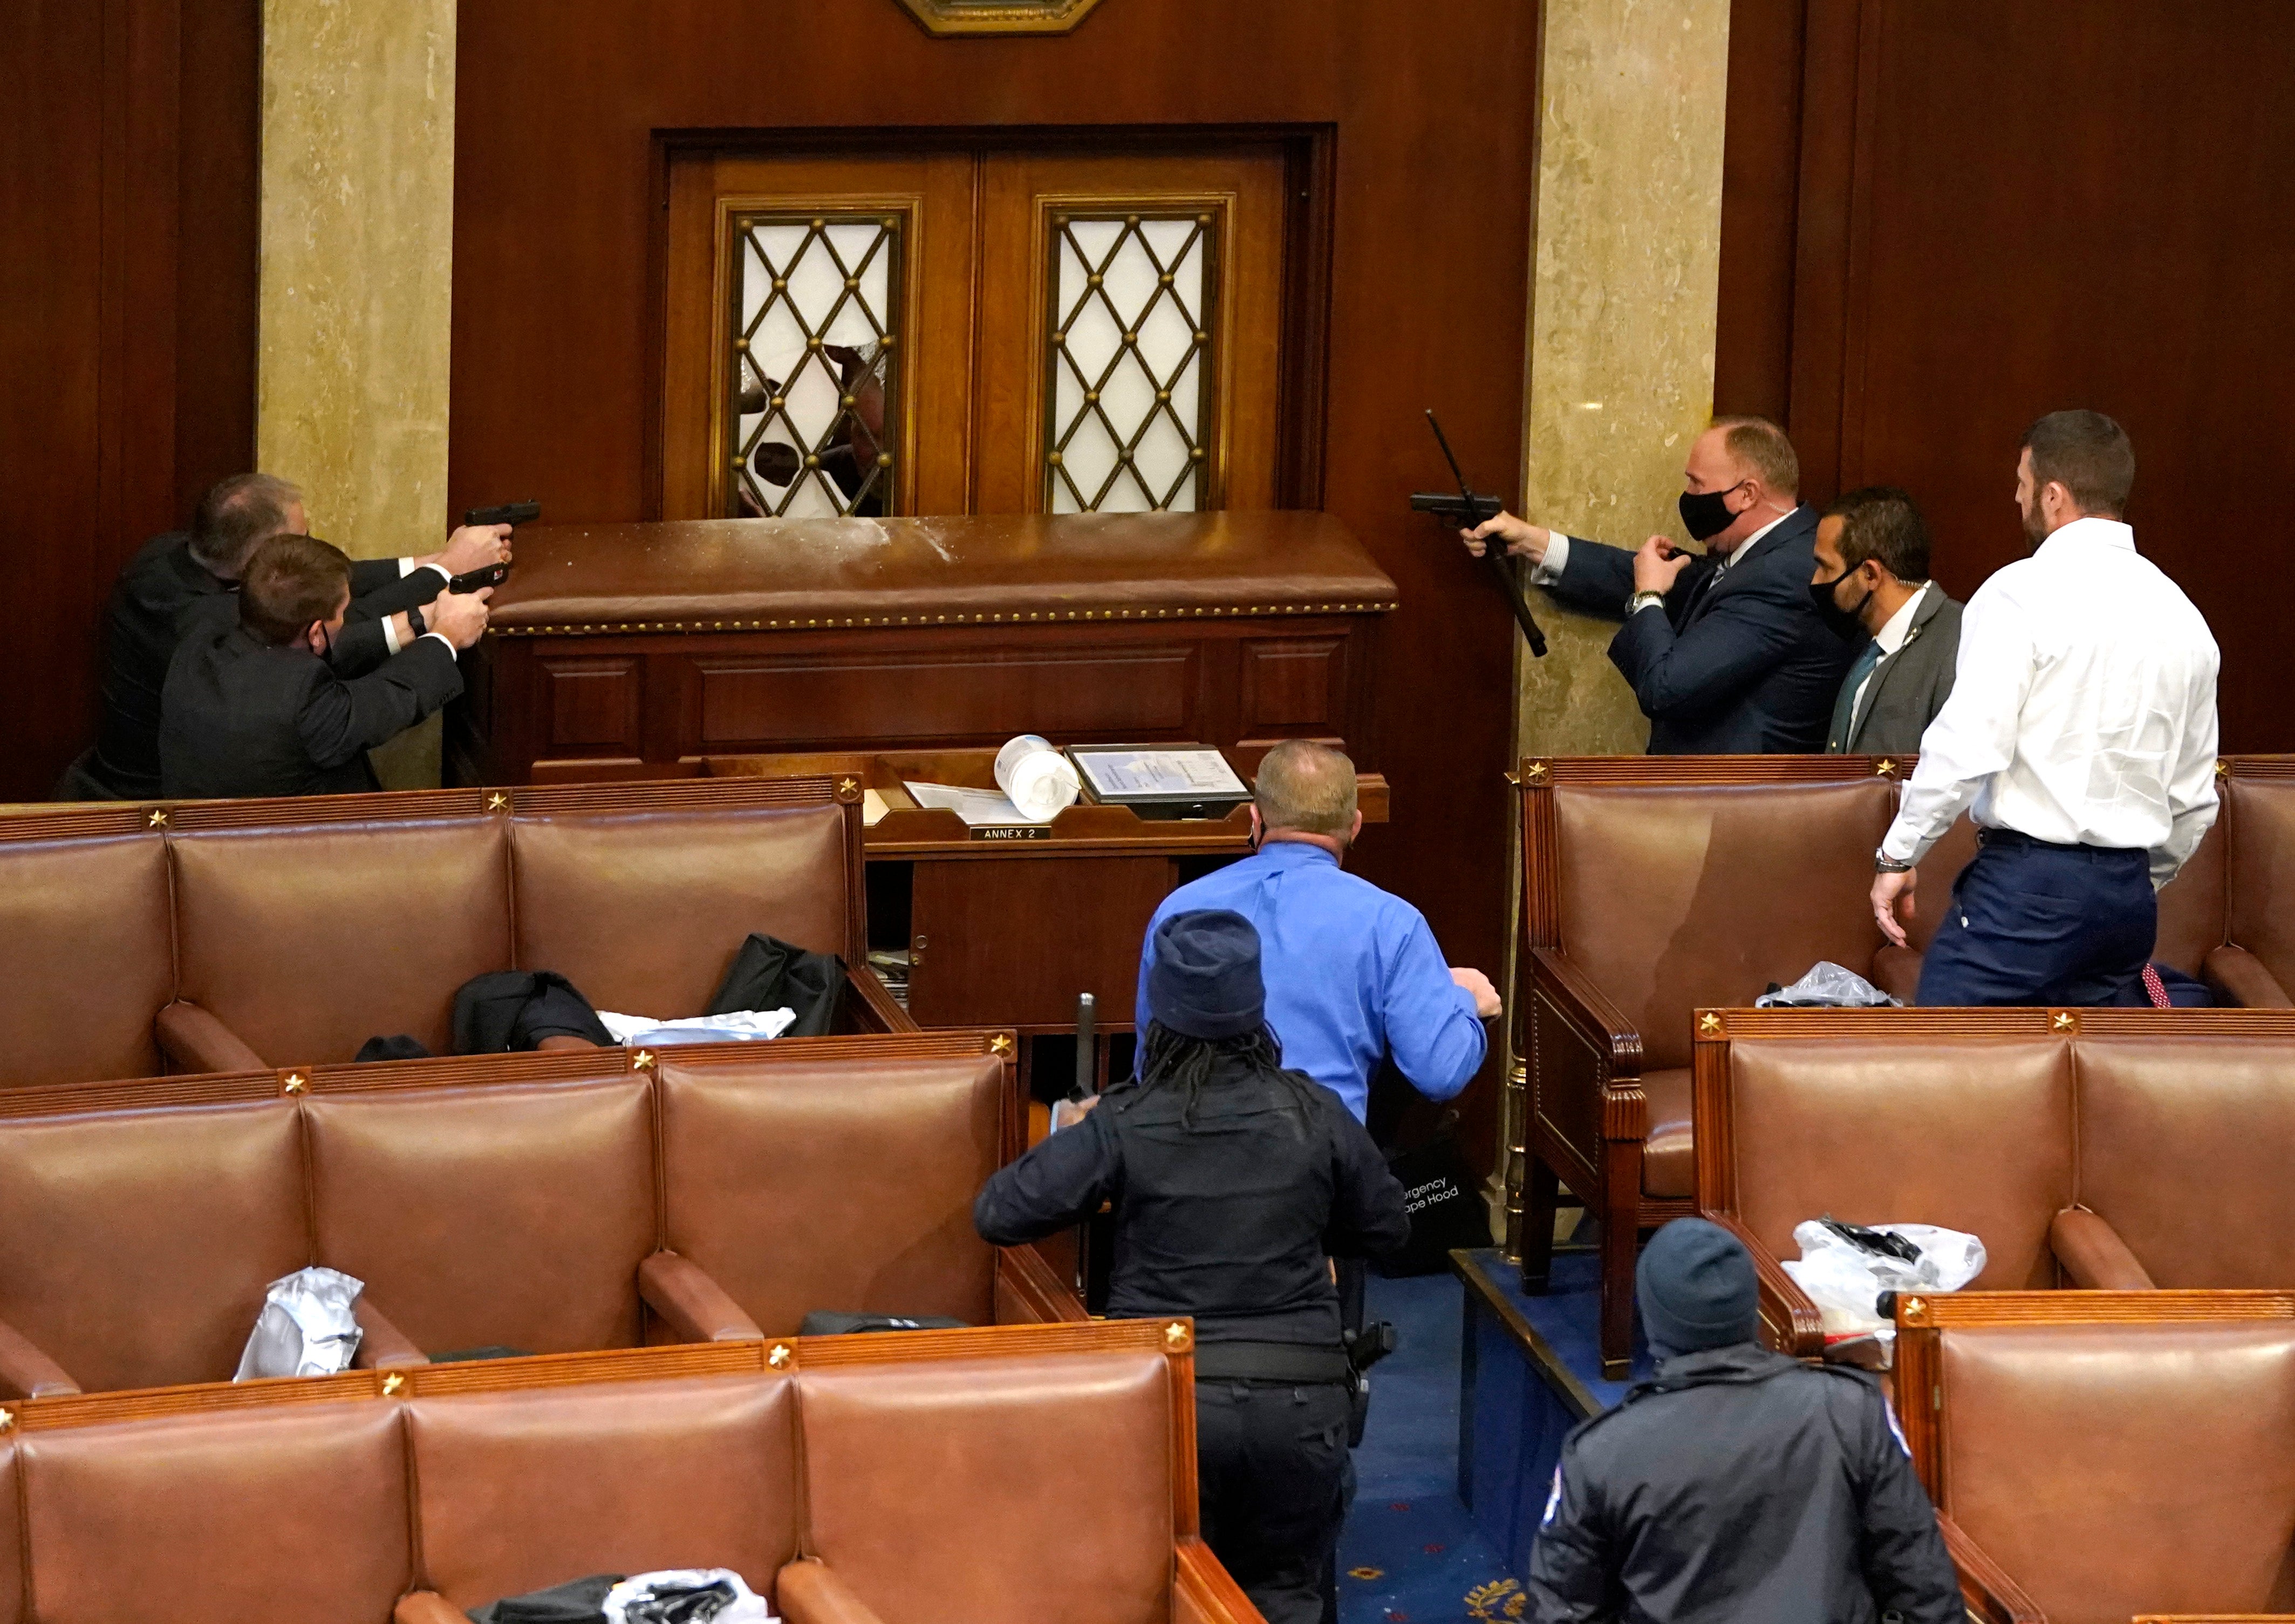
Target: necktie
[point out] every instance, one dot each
(1844, 708)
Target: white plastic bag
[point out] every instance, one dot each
(307, 1327)
(637, 1599)
(1845, 1281)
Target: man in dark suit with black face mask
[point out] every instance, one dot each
(1724, 649)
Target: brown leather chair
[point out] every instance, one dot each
(1651, 888)
(2071, 1142)
(517, 1490)
(878, 1172)
(135, 1244)
(2094, 1455)
(87, 951)
(478, 1217)
(234, 935)
(543, 1202)
(1066, 1514)
(1656, 886)
(2256, 961)
(850, 1480)
(218, 1517)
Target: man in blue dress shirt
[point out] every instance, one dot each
(1351, 972)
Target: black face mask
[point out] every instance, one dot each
(1705, 514)
(1847, 624)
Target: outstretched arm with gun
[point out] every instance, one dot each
(1469, 511)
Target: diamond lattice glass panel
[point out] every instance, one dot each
(1133, 304)
(815, 365)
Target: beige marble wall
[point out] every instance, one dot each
(1625, 267)
(356, 282)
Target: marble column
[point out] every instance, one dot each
(1625, 265)
(356, 302)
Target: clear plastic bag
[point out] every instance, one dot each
(307, 1326)
(1827, 985)
(1845, 1281)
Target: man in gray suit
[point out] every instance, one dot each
(1872, 587)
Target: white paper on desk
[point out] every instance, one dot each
(1159, 772)
(976, 807)
(872, 808)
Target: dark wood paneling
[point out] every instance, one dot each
(1295, 688)
(562, 109)
(126, 358)
(2002, 210)
(1084, 916)
(799, 702)
(1760, 188)
(593, 702)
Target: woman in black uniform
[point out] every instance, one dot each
(1233, 1183)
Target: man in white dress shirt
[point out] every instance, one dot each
(2082, 727)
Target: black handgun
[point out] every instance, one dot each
(1467, 509)
(510, 513)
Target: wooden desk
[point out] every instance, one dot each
(638, 650)
(1007, 932)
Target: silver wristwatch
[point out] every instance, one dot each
(1882, 863)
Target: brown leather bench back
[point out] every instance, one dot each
(1677, 897)
(11, 1539)
(134, 1245)
(2184, 1150)
(1057, 1468)
(644, 907)
(518, 1490)
(1971, 1133)
(876, 1166)
(307, 938)
(2118, 1468)
(87, 948)
(493, 1216)
(2260, 871)
(290, 1513)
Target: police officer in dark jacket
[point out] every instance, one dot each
(1233, 1183)
(1737, 1483)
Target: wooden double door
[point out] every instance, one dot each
(983, 328)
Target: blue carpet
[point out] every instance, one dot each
(1411, 1553)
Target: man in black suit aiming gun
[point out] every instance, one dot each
(1724, 651)
(268, 704)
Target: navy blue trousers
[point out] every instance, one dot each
(2031, 923)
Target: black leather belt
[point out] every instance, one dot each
(1254, 1361)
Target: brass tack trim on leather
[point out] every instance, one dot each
(1915, 1309)
(1176, 1337)
(1710, 1023)
(1000, 1044)
(497, 802)
(2065, 1020)
(2223, 769)
(294, 1084)
(393, 1385)
(7, 1420)
(1884, 768)
(780, 1355)
(848, 789)
(1535, 771)
(157, 818)
(642, 1061)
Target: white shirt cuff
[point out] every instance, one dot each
(390, 633)
(1549, 569)
(406, 567)
(452, 652)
